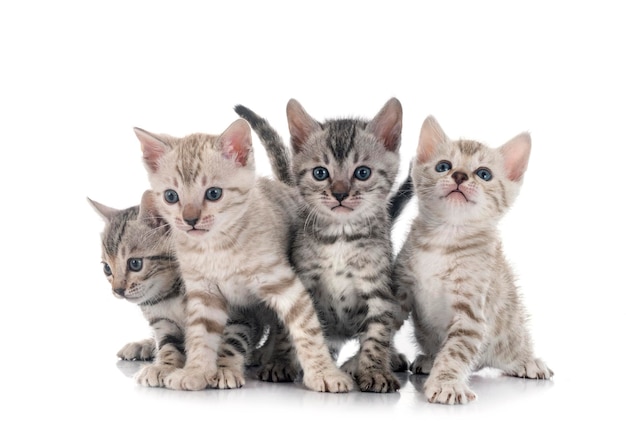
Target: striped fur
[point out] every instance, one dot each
(451, 272)
(344, 254)
(138, 234)
(231, 232)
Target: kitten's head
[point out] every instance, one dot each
(345, 168)
(201, 182)
(136, 257)
(463, 180)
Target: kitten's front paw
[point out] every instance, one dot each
(535, 369)
(377, 381)
(154, 375)
(331, 380)
(448, 393)
(188, 379)
(399, 362)
(138, 351)
(279, 371)
(422, 364)
(351, 366)
(226, 378)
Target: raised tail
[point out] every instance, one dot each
(398, 201)
(277, 151)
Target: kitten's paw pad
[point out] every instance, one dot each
(399, 362)
(227, 378)
(449, 394)
(278, 372)
(138, 351)
(422, 365)
(154, 375)
(535, 369)
(378, 381)
(329, 381)
(188, 379)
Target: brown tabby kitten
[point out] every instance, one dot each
(139, 262)
(343, 170)
(231, 232)
(466, 310)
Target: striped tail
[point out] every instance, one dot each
(401, 198)
(277, 151)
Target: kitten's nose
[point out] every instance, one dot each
(191, 221)
(120, 291)
(459, 177)
(340, 196)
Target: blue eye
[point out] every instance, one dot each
(362, 173)
(320, 173)
(213, 193)
(484, 173)
(170, 196)
(107, 269)
(443, 166)
(135, 264)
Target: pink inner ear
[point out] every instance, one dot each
(516, 153)
(236, 142)
(431, 136)
(153, 149)
(387, 124)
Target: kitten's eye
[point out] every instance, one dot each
(443, 166)
(213, 193)
(170, 196)
(484, 173)
(107, 269)
(320, 173)
(362, 173)
(135, 264)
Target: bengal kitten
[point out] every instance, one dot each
(465, 307)
(231, 231)
(344, 170)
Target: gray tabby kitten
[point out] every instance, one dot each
(466, 310)
(141, 267)
(231, 232)
(344, 170)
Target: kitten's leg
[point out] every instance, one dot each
(207, 314)
(138, 351)
(447, 382)
(288, 297)
(278, 360)
(399, 362)
(170, 354)
(512, 352)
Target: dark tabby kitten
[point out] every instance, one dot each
(344, 170)
(140, 264)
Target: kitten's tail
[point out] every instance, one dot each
(401, 198)
(277, 151)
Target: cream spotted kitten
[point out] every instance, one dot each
(139, 263)
(231, 232)
(466, 310)
(343, 170)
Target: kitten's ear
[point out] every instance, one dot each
(431, 136)
(516, 153)
(148, 211)
(153, 148)
(387, 124)
(236, 142)
(301, 124)
(107, 213)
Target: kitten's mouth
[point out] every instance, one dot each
(457, 194)
(341, 209)
(196, 232)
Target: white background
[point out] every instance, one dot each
(76, 77)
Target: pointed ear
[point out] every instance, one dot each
(301, 124)
(431, 136)
(153, 148)
(148, 212)
(387, 124)
(516, 153)
(236, 142)
(105, 212)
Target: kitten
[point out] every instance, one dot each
(343, 170)
(231, 231)
(466, 310)
(141, 267)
